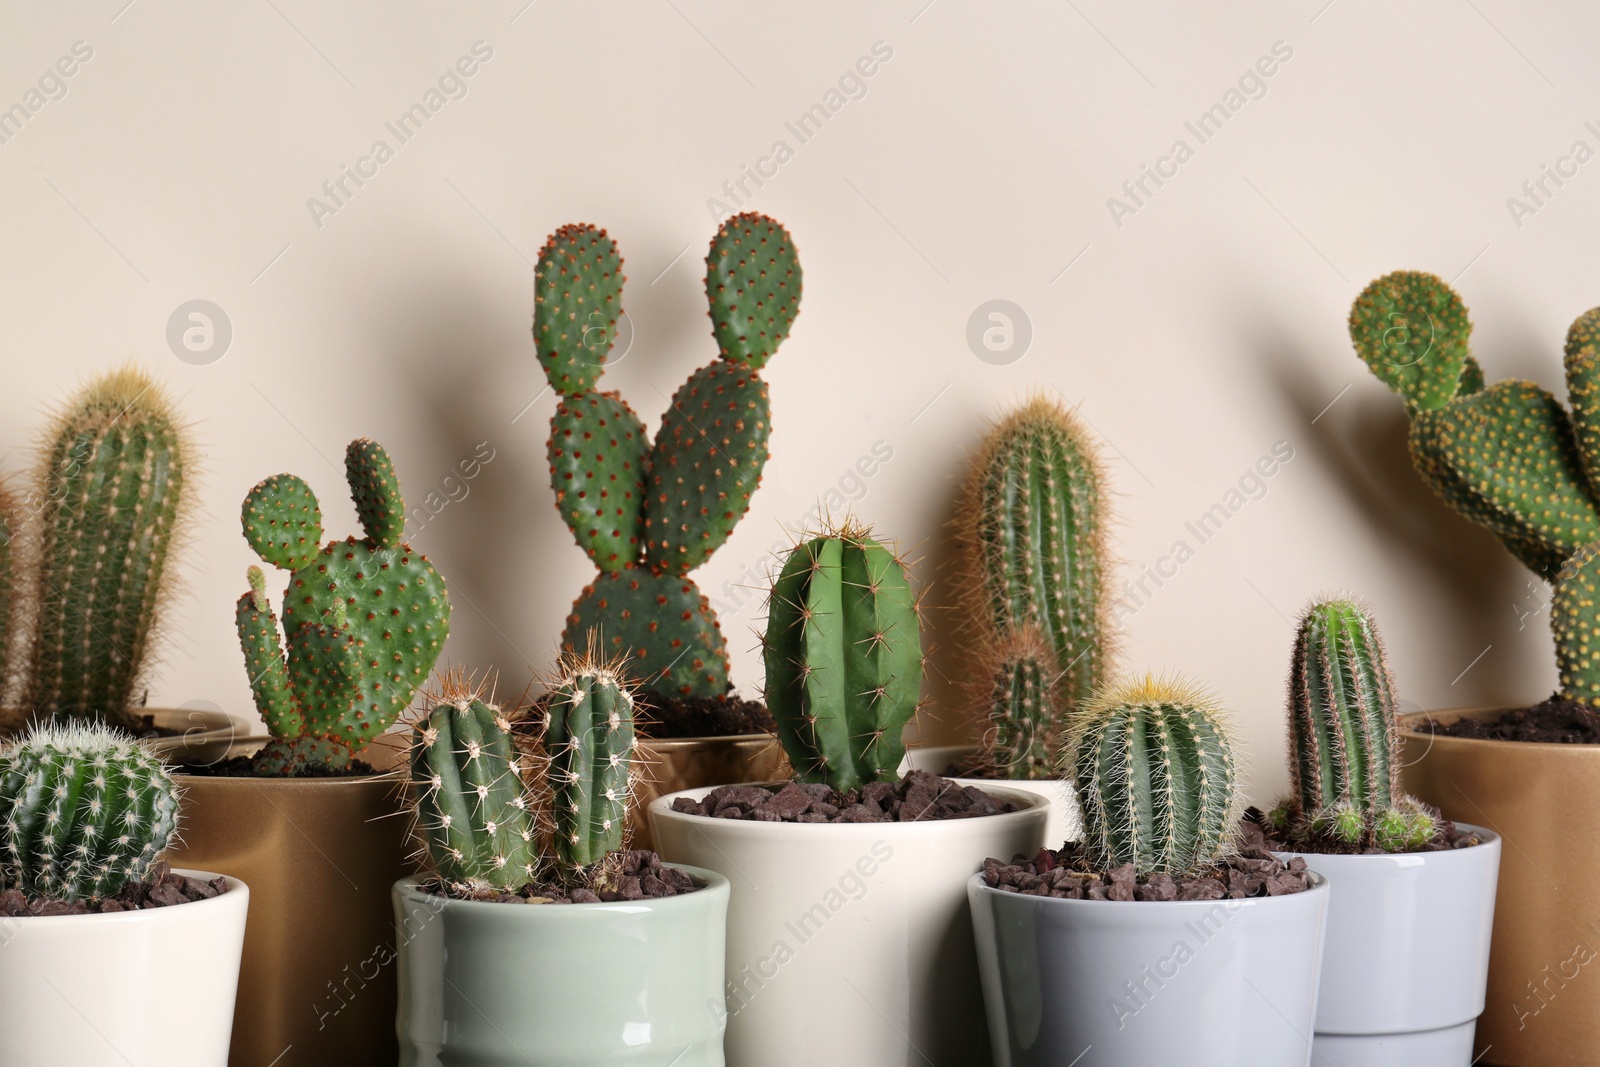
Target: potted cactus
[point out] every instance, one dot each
(847, 897)
(1031, 525)
(1391, 862)
(538, 938)
(302, 815)
(1158, 938)
(107, 955)
(1509, 457)
(649, 512)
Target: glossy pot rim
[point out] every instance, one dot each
(215, 903)
(1319, 886)
(715, 886)
(1446, 743)
(670, 744)
(1029, 806)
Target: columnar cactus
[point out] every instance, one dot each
(588, 742)
(83, 810)
(12, 658)
(1154, 768)
(109, 502)
(365, 618)
(843, 653)
(1024, 727)
(1343, 773)
(647, 513)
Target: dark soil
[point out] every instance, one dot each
(663, 717)
(163, 890)
(1446, 839)
(144, 727)
(642, 877)
(1552, 721)
(1252, 872)
(244, 767)
(919, 797)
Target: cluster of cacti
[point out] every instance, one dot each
(647, 513)
(1154, 769)
(365, 618)
(1033, 530)
(1507, 456)
(843, 652)
(1344, 777)
(83, 811)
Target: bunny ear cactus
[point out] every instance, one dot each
(648, 511)
(365, 618)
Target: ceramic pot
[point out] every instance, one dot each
(1105, 983)
(317, 984)
(679, 763)
(565, 985)
(148, 988)
(849, 944)
(1407, 955)
(1063, 824)
(1542, 1005)
(203, 735)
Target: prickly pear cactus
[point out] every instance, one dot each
(84, 809)
(588, 743)
(662, 626)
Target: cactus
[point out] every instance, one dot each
(109, 500)
(1024, 724)
(1154, 768)
(588, 742)
(648, 511)
(12, 655)
(843, 654)
(365, 619)
(83, 810)
(1343, 773)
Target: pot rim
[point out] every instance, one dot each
(1319, 885)
(1406, 730)
(1028, 804)
(238, 781)
(1430, 858)
(715, 885)
(145, 914)
(709, 739)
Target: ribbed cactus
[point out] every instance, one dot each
(1154, 768)
(588, 742)
(12, 656)
(1507, 456)
(365, 619)
(83, 810)
(1024, 725)
(843, 652)
(1343, 775)
(471, 802)
(647, 513)
(108, 504)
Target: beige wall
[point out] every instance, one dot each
(1197, 331)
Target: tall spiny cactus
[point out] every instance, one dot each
(649, 513)
(1154, 768)
(83, 810)
(1032, 523)
(108, 503)
(12, 657)
(1024, 730)
(843, 652)
(365, 618)
(1343, 773)
(588, 745)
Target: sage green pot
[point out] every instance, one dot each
(626, 984)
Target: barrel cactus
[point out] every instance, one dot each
(588, 745)
(84, 810)
(648, 512)
(1154, 767)
(365, 618)
(843, 652)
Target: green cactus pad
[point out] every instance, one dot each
(1575, 622)
(588, 741)
(663, 624)
(283, 521)
(706, 463)
(1472, 381)
(599, 455)
(577, 301)
(1583, 390)
(263, 662)
(753, 283)
(291, 757)
(376, 492)
(1412, 330)
(326, 662)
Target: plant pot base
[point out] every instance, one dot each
(1449, 1047)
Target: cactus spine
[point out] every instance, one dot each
(588, 741)
(843, 654)
(83, 811)
(1154, 767)
(649, 512)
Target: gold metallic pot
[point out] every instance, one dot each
(676, 764)
(317, 981)
(1543, 1002)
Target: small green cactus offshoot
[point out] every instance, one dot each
(84, 810)
(588, 743)
(1023, 740)
(12, 658)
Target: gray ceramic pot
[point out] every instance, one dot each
(1104, 983)
(629, 984)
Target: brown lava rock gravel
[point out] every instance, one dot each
(1553, 721)
(642, 877)
(919, 797)
(163, 890)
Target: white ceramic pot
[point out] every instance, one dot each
(1408, 955)
(1103, 983)
(849, 944)
(147, 988)
(1063, 824)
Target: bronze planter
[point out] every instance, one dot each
(1543, 1000)
(317, 980)
(676, 764)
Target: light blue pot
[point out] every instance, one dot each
(627, 984)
